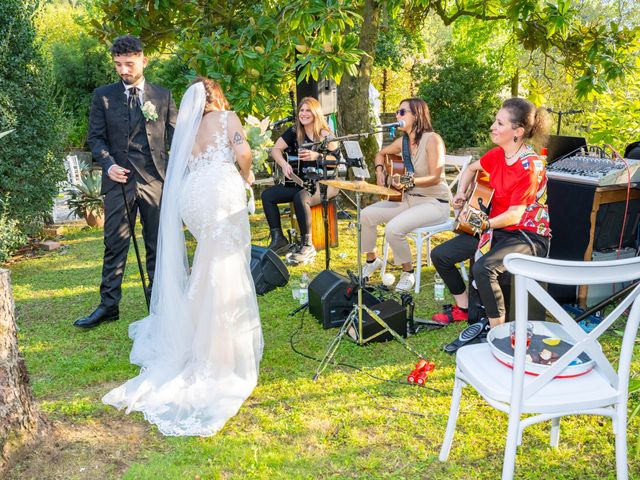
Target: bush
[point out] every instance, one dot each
(30, 158)
(463, 98)
(79, 64)
(11, 238)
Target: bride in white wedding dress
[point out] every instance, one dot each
(201, 345)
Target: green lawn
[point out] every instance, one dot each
(354, 422)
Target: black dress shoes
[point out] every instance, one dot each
(99, 315)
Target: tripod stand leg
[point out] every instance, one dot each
(395, 334)
(335, 343)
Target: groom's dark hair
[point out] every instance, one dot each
(126, 45)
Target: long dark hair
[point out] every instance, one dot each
(420, 110)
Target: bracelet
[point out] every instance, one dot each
(379, 165)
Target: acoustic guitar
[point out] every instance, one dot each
(473, 216)
(396, 173)
(300, 167)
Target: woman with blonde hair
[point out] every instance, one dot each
(310, 126)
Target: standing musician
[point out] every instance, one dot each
(425, 198)
(310, 126)
(518, 219)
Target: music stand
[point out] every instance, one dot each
(353, 323)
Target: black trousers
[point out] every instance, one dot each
(487, 268)
(144, 198)
(301, 199)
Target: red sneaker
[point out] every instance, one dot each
(450, 314)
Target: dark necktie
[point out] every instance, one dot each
(134, 100)
(134, 107)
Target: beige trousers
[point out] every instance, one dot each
(400, 218)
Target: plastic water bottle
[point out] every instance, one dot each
(304, 288)
(438, 288)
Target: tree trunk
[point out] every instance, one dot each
(515, 82)
(353, 92)
(20, 421)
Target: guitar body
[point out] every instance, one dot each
(394, 166)
(473, 213)
(299, 177)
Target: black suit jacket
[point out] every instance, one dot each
(109, 127)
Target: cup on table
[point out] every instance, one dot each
(512, 333)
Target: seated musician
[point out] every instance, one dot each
(310, 126)
(518, 219)
(425, 196)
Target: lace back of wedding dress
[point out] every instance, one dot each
(193, 387)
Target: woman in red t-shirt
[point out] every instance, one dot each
(518, 215)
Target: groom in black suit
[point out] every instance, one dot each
(130, 129)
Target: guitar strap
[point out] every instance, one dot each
(406, 155)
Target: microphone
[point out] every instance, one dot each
(280, 122)
(399, 123)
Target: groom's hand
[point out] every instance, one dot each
(118, 174)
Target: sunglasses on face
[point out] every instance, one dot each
(402, 111)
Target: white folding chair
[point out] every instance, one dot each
(423, 235)
(600, 391)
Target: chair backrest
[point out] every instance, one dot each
(74, 172)
(460, 162)
(529, 271)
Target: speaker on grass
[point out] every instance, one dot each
(393, 314)
(267, 269)
(331, 298)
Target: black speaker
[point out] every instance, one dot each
(267, 269)
(330, 302)
(393, 314)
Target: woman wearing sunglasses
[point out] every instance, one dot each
(425, 194)
(518, 219)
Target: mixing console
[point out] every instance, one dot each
(599, 171)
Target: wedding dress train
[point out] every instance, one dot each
(200, 348)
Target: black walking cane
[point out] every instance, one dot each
(132, 229)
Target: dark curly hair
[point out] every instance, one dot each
(126, 45)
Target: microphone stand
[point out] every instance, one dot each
(568, 112)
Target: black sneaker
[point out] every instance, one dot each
(474, 333)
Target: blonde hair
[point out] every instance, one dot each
(215, 96)
(319, 122)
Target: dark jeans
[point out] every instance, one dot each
(487, 268)
(301, 199)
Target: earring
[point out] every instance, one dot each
(515, 139)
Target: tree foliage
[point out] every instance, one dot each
(462, 107)
(253, 49)
(30, 164)
(79, 63)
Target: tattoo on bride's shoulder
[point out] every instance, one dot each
(237, 138)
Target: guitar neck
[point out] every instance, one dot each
(298, 181)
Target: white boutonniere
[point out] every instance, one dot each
(149, 112)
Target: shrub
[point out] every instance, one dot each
(463, 98)
(11, 238)
(30, 164)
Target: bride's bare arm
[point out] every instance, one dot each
(240, 147)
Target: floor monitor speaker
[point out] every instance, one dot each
(267, 269)
(393, 314)
(331, 298)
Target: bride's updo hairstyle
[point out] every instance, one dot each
(216, 100)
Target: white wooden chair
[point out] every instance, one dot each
(600, 391)
(423, 235)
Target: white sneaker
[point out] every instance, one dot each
(407, 282)
(369, 269)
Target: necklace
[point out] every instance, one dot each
(509, 157)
